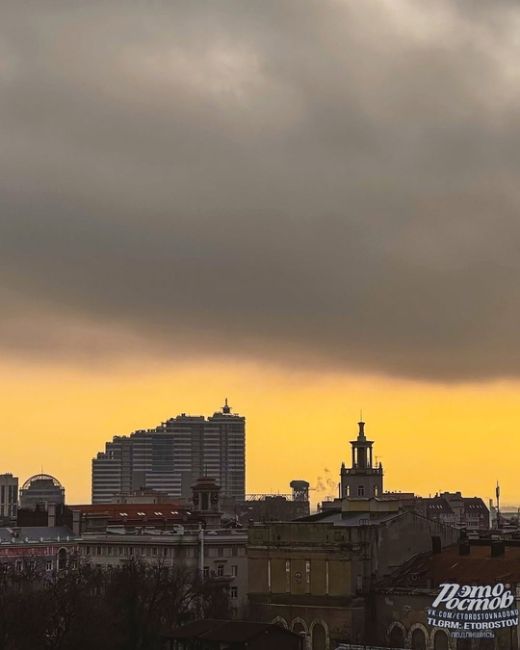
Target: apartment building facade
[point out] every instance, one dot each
(171, 457)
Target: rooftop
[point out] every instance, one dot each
(34, 534)
(479, 566)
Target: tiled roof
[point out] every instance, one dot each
(449, 566)
(136, 511)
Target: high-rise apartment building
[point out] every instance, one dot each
(8, 496)
(171, 457)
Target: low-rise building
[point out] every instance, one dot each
(400, 603)
(218, 554)
(40, 549)
(315, 576)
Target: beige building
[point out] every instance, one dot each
(315, 576)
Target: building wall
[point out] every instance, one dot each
(318, 573)
(400, 614)
(224, 555)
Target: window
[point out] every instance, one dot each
(205, 572)
(361, 491)
(234, 592)
(234, 551)
(220, 570)
(154, 550)
(48, 565)
(234, 570)
(220, 551)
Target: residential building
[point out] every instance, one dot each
(218, 554)
(8, 497)
(169, 535)
(40, 491)
(169, 458)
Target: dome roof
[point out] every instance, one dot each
(41, 477)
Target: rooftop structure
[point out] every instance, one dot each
(41, 490)
(363, 478)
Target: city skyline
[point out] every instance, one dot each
(400, 445)
(310, 211)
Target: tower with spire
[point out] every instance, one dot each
(363, 479)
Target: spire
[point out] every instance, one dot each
(226, 408)
(361, 433)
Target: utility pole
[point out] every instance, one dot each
(497, 492)
(201, 555)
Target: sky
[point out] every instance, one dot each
(308, 207)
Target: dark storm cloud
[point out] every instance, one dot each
(327, 183)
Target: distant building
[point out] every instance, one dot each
(41, 549)
(169, 535)
(169, 458)
(41, 490)
(452, 508)
(8, 497)
(259, 508)
(364, 481)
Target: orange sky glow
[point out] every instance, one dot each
(429, 437)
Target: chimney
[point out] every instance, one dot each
(51, 515)
(76, 522)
